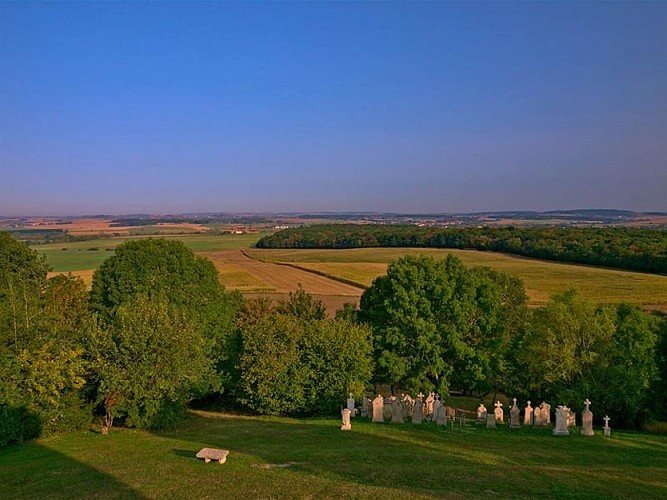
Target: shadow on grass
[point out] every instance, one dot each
(426, 460)
(35, 471)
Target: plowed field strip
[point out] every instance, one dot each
(284, 279)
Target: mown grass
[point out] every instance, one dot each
(371, 461)
(541, 278)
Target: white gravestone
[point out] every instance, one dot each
(345, 416)
(587, 420)
(606, 429)
(528, 415)
(515, 416)
(378, 407)
(499, 414)
(436, 406)
(481, 413)
(440, 415)
(417, 413)
(561, 422)
(490, 421)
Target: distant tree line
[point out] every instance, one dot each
(623, 248)
(158, 331)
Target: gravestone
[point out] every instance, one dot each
(537, 416)
(350, 405)
(418, 412)
(364, 406)
(481, 413)
(428, 405)
(546, 413)
(436, 406)
(499, 414)
(571, 417)
(606, 429)
(440, 415)
(490, 421)
(408, 406)
(515, 416)
(396, 412)
(561, 422)
(345, 415)
(378, 406)
(528, 415)
(386, 409)
(587, 420)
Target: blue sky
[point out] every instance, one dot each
(167, 107)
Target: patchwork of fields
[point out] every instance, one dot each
(339, 276)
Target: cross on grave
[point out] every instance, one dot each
(606, 421)
(420, 395)
(587, 403)
(498, 404)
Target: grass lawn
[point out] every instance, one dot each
(371, 461)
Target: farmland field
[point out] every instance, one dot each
(273, 457)
(261, 274)
(542, 279)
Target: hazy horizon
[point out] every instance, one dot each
(159, 108)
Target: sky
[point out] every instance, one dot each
(430, 107)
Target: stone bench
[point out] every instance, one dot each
(209, 454)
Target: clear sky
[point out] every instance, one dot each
(167, 107)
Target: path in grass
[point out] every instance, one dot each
(371, 461)
(542, 278)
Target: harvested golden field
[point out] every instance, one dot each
(276, 277)
(541, 278)
(86, 276)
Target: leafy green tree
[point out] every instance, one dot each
(290, 365)
(41, 326)
(169, 270)
(302, 305)
(433, 318)
(150, 360)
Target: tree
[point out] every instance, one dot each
(169, 270)
(41, 325)
(150, 360)
(431, 318)
(291, 365)
(302, 305)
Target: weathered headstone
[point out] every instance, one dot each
(587, 420)
(418, 412)
(515, 416)
(561, 422)
(350, 404)
(546, 413)
(490, 421)
(440, 415)
(396, 412)
(528, 415)
(345, 416)
(386, 409)
(606, 429)
(436, 406)
(571, 417)
(499, 414)
(428, 405)
(378, 407)
(408, 406)
(365, 402)
(481, 413)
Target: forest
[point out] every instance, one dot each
(636, 249)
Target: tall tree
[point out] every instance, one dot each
(431, 318)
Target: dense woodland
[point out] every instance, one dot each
(158, 331)
(623, 248)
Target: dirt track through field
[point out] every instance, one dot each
(284, 279)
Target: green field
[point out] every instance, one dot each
(542, 278)
(78, 256)
(272, 457)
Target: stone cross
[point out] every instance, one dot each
(498, 404)
(587, 403)
(514, 399)
(606, 421)
(499, 414)
(420, 395)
